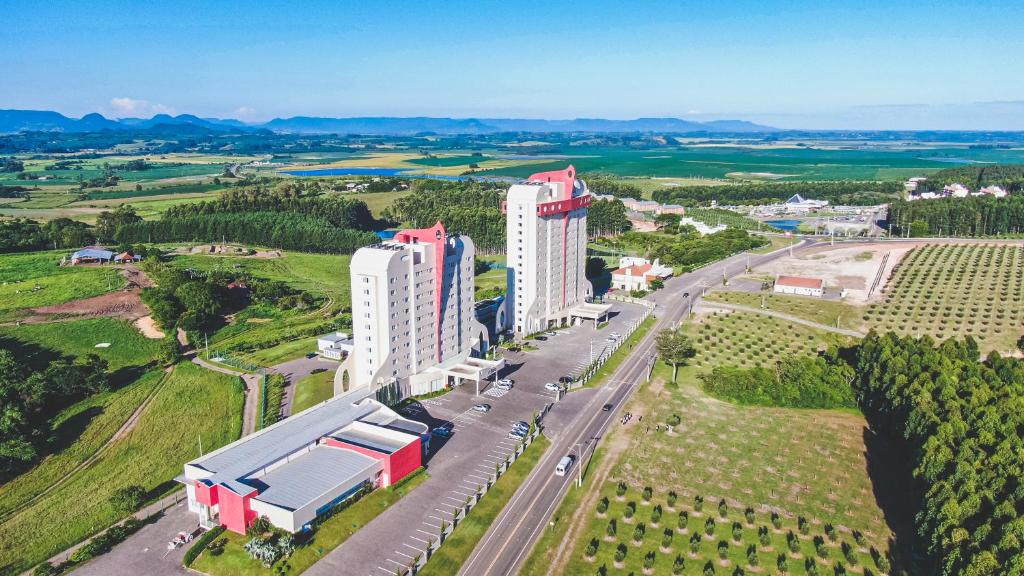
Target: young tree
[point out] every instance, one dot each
(675, 349)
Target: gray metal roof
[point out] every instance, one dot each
(312, 475)
(250, 454)
(366, 438)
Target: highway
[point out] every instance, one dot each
(511, 537)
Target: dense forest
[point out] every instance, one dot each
(960, 422)
(606, 217)
(31, 393)
(843, 192)
(972, 216)
(469, 207)
(1009, 176)
(24, 235)
(821, 381)
(688, 249)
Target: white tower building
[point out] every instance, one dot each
(547, 251)
(412, 313)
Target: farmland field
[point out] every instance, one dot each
(149, 456)
(755, 460)
(948, 290)
(828, 312)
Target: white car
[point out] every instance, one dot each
(552, 387)
(485, 408)
(504, 384)
(615, 335)
(551, 333)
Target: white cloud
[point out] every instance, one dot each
(124, 107)
(245, 113)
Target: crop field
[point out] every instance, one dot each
(150, 455)
(733, 488)
(31, 280)
(718, 162)
(79, 337)
(828, 312)
(954, 291)
(746, 340)
(415, 163)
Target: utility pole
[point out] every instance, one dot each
(200, 444)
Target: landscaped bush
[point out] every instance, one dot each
(201, 544)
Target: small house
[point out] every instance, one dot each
(91, 255)
(800, 286)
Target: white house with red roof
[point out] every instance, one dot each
(638, 273)
(800, 286)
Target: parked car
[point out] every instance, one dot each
(179, 540)
(541, 338)
(311, 355)
(551, 333)
(551, 386)
(611, 339)
(485, 408)
(504, 384)
(563, 465)
(442, 431)
(516, 434)
(606, 408)
(615, 335)
(566, 380)
(521, 426)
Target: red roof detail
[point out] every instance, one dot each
(567, 177)
(799, 282)
(635, 270)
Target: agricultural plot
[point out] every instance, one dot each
(716, 216)
(828, 312)
(150, 455)
(731, 490)
(950, 291)
(746, 340)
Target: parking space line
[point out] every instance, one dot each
(424, 531)
(385, 570)
(436, 517)
(409, 556)
(411, 546)
(419, 539)
(395, 562)
(475, 476)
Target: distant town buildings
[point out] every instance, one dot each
(671, 209)
(412, 315)
(954, 190)
(796, 204)
(640, 205)
(799, 285)
(546, 228)
(638, 273)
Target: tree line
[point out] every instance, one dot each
(844, 192)
(688, 249)
(821, 381)
(971, 216)
(468, 207)
(960, 423)
(606, 217)
(1008, 176)
(31, 393)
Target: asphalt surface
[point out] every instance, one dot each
(460, 464)
(511, 537)
(295, 370)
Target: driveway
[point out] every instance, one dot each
(295, 370)
(145, 552)
(458, 465)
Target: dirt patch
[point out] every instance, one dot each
(147, 326)
(123, 305)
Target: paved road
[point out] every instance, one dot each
(789, 317)
(512, 536)
(466, 460)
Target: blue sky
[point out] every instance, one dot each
(872, 65)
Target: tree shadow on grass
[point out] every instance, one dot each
(890, 467)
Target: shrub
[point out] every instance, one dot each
(811, 567)
(638, 532)
(649, 560)
(792, 542)
(666, 539)
(723, 549)
(620, 489)
(763, 537)
(850, 554)
(803, 525)
(695, 541)
(611, 529)
(620, 553)
(656, 514)
(709, 569)
(749, 515)
(678, 565)
(698, 503)
(752, 555)
(782, 563)
(672, 499)
(629, 510)
(648, 492)
(127, 499)
(709, 526)
(723, 508)
(820, 548)
(591, 550)
(776, 520)
(737, 531)
(602, 505)
(684, 519)
(830, 531)
(201, 544)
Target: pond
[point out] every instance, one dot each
(784, 224)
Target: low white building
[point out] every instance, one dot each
(638, 273)
(702, 228)
(336, 345)
(956, 190)
(800, 286)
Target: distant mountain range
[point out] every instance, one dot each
(43, 120)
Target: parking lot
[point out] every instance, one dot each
(461, 463)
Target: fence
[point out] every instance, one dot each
(223, 357)
(607, 352)
(460, 512)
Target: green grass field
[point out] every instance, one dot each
(312, 390)
(493, 278)
(955, 291)
(76, 339)
(767, 459)
(35, 279)
(459, 545)
(150, 456)
(235, 561)
(828, 312)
